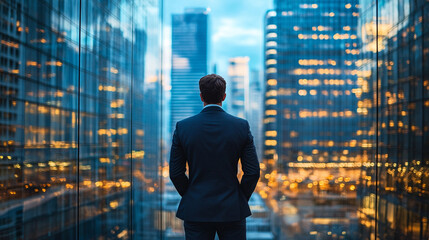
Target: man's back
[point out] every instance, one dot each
(212, 142)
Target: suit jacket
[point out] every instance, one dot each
(212, 142)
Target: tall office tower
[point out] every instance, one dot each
(310, 121)
(189, 56)
(394, 103)
(76, 145)
(254, 111)
(11, 117)
(238, 86)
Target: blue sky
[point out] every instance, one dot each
(236, 29)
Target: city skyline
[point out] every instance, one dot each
(336, 95)
(237, 31)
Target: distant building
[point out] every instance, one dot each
(238, 86)
(259, 225)
(255, 109)
(311, 156)
(190, 59)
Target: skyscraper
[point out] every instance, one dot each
(238, 86)
(310, 119)
(190, 59)
(254, 112)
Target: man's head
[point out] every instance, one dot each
(212, 88)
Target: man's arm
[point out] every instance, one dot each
(249, 165)
(178, 165)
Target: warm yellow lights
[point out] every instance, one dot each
(54, 63)
(10, 44)
(271, 93)
(270, 112)
(107, 88)
(269, 120)
(325, 165)
(271, 133)
(271, 102)
(302, 92)
(272, 82)
(270, 143)
(309, 82)
(117, 103)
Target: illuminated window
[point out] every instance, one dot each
(302, 92)
(272, 82)
(272, 26)
(270, 112)
(271, 133)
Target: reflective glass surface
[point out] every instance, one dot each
(394, 82)
(80, 133)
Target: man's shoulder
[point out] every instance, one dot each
(226, 116)
(188, 120)
(237, 120)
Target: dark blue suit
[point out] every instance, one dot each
(212, 142)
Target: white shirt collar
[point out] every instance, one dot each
(209, 105)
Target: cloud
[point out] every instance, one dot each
(231, 31)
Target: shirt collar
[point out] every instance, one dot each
(209, 105)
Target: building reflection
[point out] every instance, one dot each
(78, 134)
(394, 141)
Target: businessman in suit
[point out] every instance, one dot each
(212, 142)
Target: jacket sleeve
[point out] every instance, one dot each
(249, 165)
(178, 165)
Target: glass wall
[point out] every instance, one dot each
(79, 119)
(394, 80)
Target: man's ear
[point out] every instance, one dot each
(224, 96)
(201, 96)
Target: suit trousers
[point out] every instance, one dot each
(207, 230)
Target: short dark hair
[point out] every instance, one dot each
(212, 88)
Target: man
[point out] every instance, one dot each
(212, 142)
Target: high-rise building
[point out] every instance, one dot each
(189, 61)
(254, 112)
(394, 113)
(238, 86)
(79, 123)
(311, 157)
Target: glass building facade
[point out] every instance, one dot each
(79, 122)
(189, 62)
(394, 85)
(311, 159)
(238, 86)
